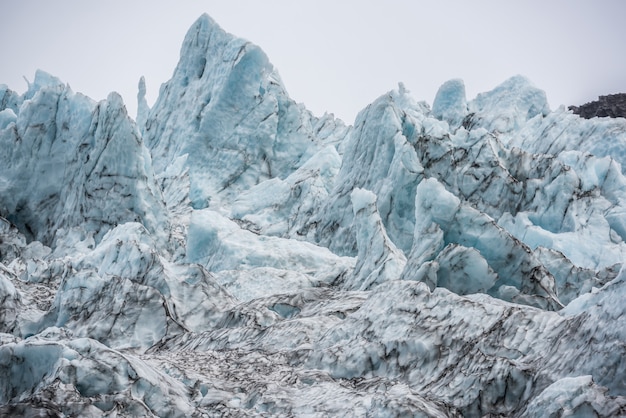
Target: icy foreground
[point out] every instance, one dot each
(229, 253)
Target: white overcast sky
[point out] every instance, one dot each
(334, 56)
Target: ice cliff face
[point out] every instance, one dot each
(228, 111)
(230, 254)
(70, 163)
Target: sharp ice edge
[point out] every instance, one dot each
(231, 254)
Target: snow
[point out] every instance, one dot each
(231, 254)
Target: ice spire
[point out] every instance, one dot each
(142, 104)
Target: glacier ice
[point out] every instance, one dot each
(378, 259)
(450, 103)
(445, 221)
(227, 109)
(378, 157)
(228, 253)
(576, 397)
(69, 162)
(283, 207)
(507, 107)
(88, 377)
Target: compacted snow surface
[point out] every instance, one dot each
(227, 253)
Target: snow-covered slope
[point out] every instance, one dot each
(230, 254)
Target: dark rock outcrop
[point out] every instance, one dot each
(612, 105)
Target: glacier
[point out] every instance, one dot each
(228, 253)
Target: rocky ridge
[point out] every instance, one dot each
(611, 106)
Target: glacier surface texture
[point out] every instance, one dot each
(228, 253)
